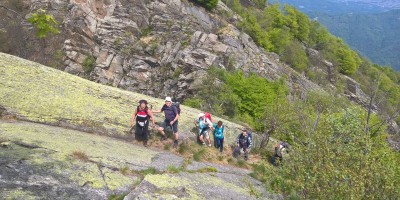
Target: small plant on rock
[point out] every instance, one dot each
(80, 155)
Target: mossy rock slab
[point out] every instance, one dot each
(41, 161)
(33, 92)
(200, 186)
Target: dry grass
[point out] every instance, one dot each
(191, 150)
(80, 155)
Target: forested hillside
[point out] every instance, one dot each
(375, 36)
(369, 27)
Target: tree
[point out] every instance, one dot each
(44, 23)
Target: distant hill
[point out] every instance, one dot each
(369, 26)
(375, 36)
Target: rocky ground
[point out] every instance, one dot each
(45, 162)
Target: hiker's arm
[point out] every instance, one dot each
(176, 115)
(210, 124)
(176, 118)
(250, 142)
(151, 117)
(133, 118)
(156, 111)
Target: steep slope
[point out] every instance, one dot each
(48, 161)
(35, 93)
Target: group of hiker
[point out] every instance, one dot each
(143, 115)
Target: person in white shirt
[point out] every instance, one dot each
(205, 125)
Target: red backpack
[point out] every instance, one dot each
(208, 116)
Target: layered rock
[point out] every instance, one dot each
(159, 47)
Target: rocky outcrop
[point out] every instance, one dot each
(159, 48)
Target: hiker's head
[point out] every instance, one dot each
(219, 123)
(201, 115)
(143, 103)
(168, 101)
(244, 131)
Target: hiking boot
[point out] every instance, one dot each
(175, 144)
(163, 138)
(246, 157)
(145, 143)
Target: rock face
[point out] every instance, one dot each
(159, 48)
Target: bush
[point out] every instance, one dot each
(208, 4)
(88, 64)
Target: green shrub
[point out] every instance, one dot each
(89, 64)
(207, 169)
(44, 23)
(208, 4)
(198, 156)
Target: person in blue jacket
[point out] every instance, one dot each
(219, 135)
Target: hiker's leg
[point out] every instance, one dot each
(208, 138)
(221, 147)
(175, 130)
(138, 132)
(201, 138)
(145, 132)
(217, 142)
(162, 127)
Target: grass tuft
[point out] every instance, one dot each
(80, 155)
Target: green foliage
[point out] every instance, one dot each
(295, 55)
(348, 61)
(341, 161)
(207, 169)
(145, 31)
(44, 23)
(117, 197)
(208, 4)
(238, 96)
(193, 102)
(88, 64)
(148, 171)
(173, 169)
(183, 148)
(288, 32)
(198, 156)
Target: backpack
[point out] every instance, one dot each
(177, 106)
(208, 116)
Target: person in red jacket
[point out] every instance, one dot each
(142, 115)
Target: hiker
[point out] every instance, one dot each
(243, 142)
(171, 119)
(279, 148)
(204, 125)
(142, 115)
(219, 136)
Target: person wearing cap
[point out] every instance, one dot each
(142, 115)
(204, 125)
(243, 142)
(171, 119)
